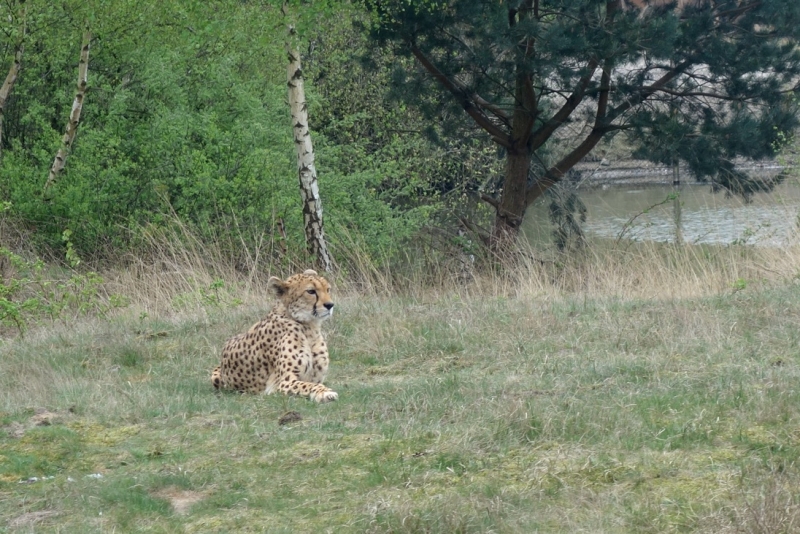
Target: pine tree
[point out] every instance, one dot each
(706, 80)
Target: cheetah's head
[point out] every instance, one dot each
(307, 296)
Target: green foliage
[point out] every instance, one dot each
(217, 294)
(72, 257)
(423, 175)
(706, 83)
(186, 116)
(32, 293)
(567, 212)
(739, 284)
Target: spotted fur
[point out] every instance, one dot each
(285, 351)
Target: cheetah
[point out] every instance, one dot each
(285, 351)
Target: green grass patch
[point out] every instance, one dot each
(455, 415)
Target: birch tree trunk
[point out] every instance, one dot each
(309, 190)
(74, 116)
(8, 86)
(11, 79)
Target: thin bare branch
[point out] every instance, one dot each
(701, 93)
(603, 125)
(647, 91)
(490, 200)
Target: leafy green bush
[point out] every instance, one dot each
(31, 294)
(30, 291)
(185, 116)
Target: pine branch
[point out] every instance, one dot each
(736, 12)
(717, 96)
(477, 99)
(472, 108)
(488, 106)
(602, 102)
(555, 173)
(645, 92)
(543, 133)
(603, 124)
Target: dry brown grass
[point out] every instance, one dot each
(177, 272)
(656, 270)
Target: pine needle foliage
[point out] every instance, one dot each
(546, 80)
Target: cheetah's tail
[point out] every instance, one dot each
(216, 378)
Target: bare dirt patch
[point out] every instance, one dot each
(45, 418)
(41, 417)
(289, 417)
(31, 518)
(180, 500)
(14, 430)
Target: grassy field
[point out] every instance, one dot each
(502, 407)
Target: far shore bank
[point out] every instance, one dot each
(640, 172)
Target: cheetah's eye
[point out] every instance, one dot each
(311, 292)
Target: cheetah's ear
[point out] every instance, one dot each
(277, 286)
(310, 272)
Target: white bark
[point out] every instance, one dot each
(11, 78)
(74, 116)
(307, 173)
(8, 86)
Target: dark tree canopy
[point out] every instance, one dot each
(705, 81)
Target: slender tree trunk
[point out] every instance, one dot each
(11, 79)
(510, 211)
(307, 173)
(677, 213)
(74, 116)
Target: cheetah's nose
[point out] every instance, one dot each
(328, 305)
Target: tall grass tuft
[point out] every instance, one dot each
(175, 269)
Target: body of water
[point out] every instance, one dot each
(696, 216)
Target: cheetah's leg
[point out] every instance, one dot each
(289, 381)
(290, 384)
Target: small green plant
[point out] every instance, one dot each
(671, 197)
(71, 254)
(739, 285)
(14, 306)
(210, 295)
(216, 294)
(30, 291)
(747, 234)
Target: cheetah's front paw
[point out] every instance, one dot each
(324, 396)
